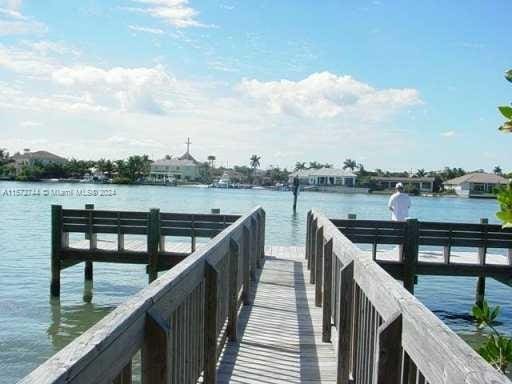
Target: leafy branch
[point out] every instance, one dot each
(497, 349)
(505, 195)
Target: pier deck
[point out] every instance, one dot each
(280, 337)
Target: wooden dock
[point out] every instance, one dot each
(280, 340)
(237, 311)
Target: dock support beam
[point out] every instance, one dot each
(345, 328)
(480, 283)
(410, 254)
(327, 297)
(318, 265)
(155, 351)
(88, 271)
(56, 247)
(153, 243)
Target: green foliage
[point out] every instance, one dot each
(121, 180)
(505, 195)
(349, 164)
(505, 202)
(497, 349)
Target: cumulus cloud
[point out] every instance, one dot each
(326, 95)
(177, 13)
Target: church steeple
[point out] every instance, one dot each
(187, 155)
(188, 142)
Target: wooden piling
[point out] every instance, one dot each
(246, 237)
(88, 271)
(234, 254)
(410, 251)
(318, 266)
(210, 324)
(153, 239)
(389, 352)
(480, 283)
(345, 328)
(155, 351)
(56, 247)
(327, 297)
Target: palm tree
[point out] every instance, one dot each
(255, 161)
(421, 173)
(211, 159)
(315, 165)
(350, 164)
(497, 170)
(300, 166)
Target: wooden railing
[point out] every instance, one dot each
(154, 225)
(382, 332)
(180, 322)
(412, 234)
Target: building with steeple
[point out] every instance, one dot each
(183, 168)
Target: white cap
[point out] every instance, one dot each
(399, 185)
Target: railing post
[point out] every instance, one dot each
(259, 260)
(155, 351)
(125, 377)
(262, 236)
(410, 254)
(318, 265)
(153, 243)
(253, 247)
(246, 254)
(193, 237)
(312, 259)
(480, 283)
(389, 351)
(88, 271)
(327, 297)
(234, 253)
(210, 324)
(345, 328)
(56, 249)
(120, 234)
(308, 234)
(312, 230)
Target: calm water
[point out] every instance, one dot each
(33, 328)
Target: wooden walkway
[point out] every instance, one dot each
(280, 333)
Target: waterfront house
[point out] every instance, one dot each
(28, 158)
(184, 168)
(325, 177)
(476, 184)
(420, 184)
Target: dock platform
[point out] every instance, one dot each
(280, 334)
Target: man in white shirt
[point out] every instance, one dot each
(399, 204)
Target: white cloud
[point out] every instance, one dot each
(30, 124)
(175, 12)
(13, 22)
(448, 134)
(12, 5)
(326, 95)
(154, 31)
(19, 27)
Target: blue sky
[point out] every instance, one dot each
(392, 84)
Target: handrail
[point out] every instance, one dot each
(179, 322)
(383, 333)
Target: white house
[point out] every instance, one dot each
(325, 177)
(29, 158)
(422, 184)
(184, 168)
(476, 184)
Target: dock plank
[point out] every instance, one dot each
(280, 340)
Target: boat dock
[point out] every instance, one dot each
(237, 311)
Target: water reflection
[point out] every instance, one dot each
(70, 321)
(295, 228)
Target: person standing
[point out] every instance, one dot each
(399, 204)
